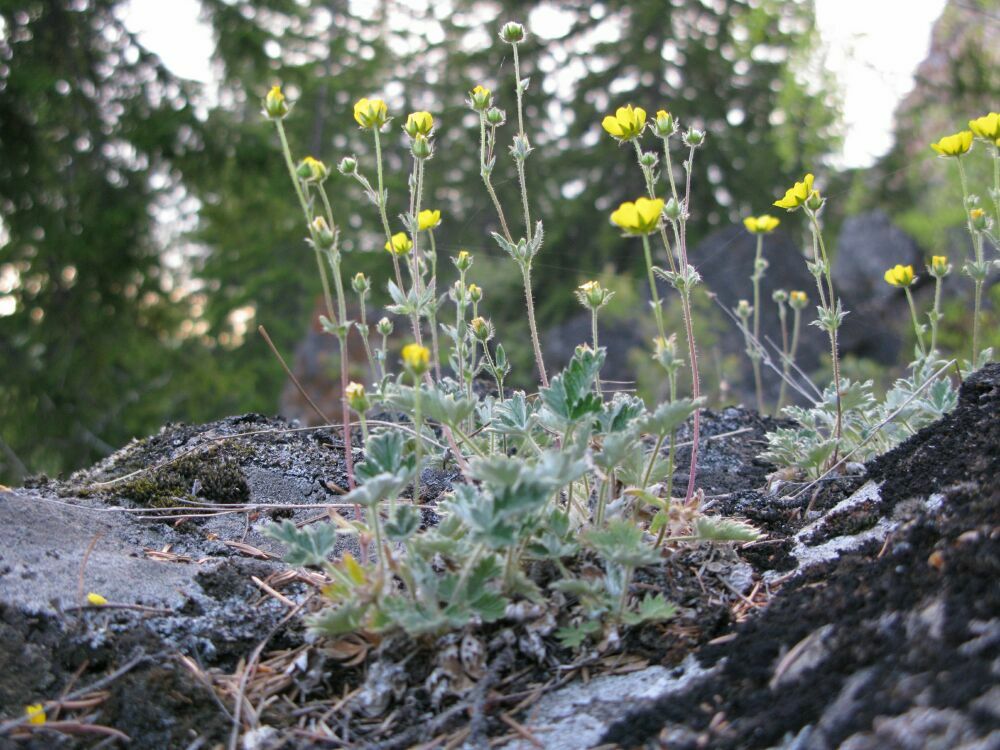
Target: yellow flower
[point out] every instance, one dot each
(796, 195)
(626, 123)
(419, 123)
(762, 224)
(987, 126)
(275, 106)
(641, 217)
(416, 358)
(899, 276)
(475, 293)
(798, 300)
(36, 714)
(954, 145)
(401, 244)
(592, 295)
(481, 98)
(428, 219)
(481, 328)
(96, 599)
(371, 113)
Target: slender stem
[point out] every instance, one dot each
(785, 364)
(524, 138)
(996, 182)
(468, 441)
(535, 344)
(689, 331)
(657, 309)
(432, 315)
(484, 172)
(287, 152)
(652, 461)
(936, 314)
(417, 423)
(593, 335)
(758, 274)
(916, 322)
(414, 323)
(977, 249)
(831, 307)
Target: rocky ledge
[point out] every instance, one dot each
(869, 617)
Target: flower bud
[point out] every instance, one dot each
(592, 295)
(495, 117)
(275, 106)
(384, 327)
(743, 309)
(665, 352)
(475, 293)
(481, 329)
(419, 123)
(780, 296)
(512, 33)
(939, 266)
(815, 201)
(798, 300)
(977, 217)
(312, 170)
(664, 125)
(371, 114)
(462, 261)
(648, 159)
(900, 276)
(480, 98)
(694, 137)
(672, 210)
(348, 165)
(361, 284)
(421, 147)
(321, 230)
(356, 397)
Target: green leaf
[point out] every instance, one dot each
(346, 618)
(570, 394)
(573, 636)
(308, 546)
(651, 609)
(668, 416)
(719, 529)
(384, 453)
(621, 543)
(402, 523)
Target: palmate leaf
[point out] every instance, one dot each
(668, 416)
(570, 394)
(573, 636)
(719, 529)
(384, 453)
(651, 609)
(309, 546)
(617, 415)
(621, 543)
(346, 618)
(513, 416)
(402, 523)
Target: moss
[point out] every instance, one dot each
(209, 475)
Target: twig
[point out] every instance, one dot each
(295, 381)
(83, 567)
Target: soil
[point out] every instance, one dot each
(893, 642)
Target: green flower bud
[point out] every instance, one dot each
(495, 117)
(672, 210)
(421, 147)
(384, 327)
(348, 165)
(694, 137)
(512, 33)
(780, 296)
(275, 106)
(743, 309)
(312, 170)
(324, 235)
(462, 261)
(361, 284)
(648, 159)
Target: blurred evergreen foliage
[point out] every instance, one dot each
(139, 215)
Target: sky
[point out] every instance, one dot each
(872, 46)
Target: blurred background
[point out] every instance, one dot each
(147, 224)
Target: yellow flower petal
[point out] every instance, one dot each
(96, 599)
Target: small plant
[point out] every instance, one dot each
(572, 474)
